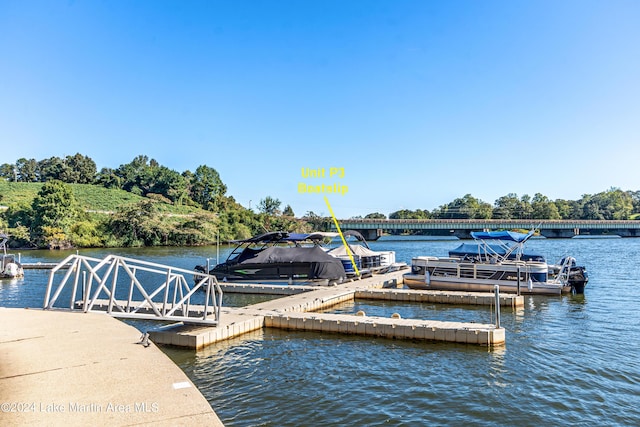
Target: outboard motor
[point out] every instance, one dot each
(199, 269)
(578, 278)
(576, 275)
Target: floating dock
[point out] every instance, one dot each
(297, 312)
(251, 288)
(392, 328)
(40, 265)
(441, 297)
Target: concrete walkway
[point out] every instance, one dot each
(61, 368)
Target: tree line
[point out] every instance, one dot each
(607, 205)
(142, 176)
(55, 219)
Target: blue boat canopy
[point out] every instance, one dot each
(474, 250)
(511, 236)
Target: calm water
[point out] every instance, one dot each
(570, 360)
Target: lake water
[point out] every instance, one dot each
(569, 360)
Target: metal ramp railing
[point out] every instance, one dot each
(115, 284)
(565, 268)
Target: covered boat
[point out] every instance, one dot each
(280, 257)
(366, 259)
(496, 258)
(10, 267)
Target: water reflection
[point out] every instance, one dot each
(12, 282)
(577, 301)
(570, 360)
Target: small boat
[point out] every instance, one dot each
(280, 258)
(496, 258)
(10, 268)
(376, 262)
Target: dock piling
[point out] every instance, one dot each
(496, 291)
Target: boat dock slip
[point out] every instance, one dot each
(297, 312)
(393, 328)
(441, 297)
(62, 368)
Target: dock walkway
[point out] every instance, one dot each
(61, 368)
(299, 312)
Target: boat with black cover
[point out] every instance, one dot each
(280, 258)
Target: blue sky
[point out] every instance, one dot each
(420, 102)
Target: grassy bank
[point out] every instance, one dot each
(90, 197)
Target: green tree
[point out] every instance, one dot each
(55, 210)
(108, 178)
(409, 214)
(507, 207)
(590, 208)
(139, 224)
(53, 168)
(237, 222)
(8, 172)
(207, 189)
(564, 208)
(27, 170)
(269, 206)
(169, 183)
(19, 215)
(467, 207)
(288, 211)
(635, 199)
(199, 229)
(318, 222)
(526, 208)
(611, 204)
(19, 220)
(87, 234)
(133, 174)
(79, 169)
(375, 215)
(543, 208)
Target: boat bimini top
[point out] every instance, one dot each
(497, 246)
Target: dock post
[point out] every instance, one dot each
(496, 291)
(518, 281)
(84, 288)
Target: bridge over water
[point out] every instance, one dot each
(374, 228)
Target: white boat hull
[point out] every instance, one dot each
(453, 274)
(417, 281)
(12, 271)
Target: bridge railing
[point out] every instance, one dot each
(131, 288)
(626, 228)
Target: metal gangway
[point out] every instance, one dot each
(115, 284)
